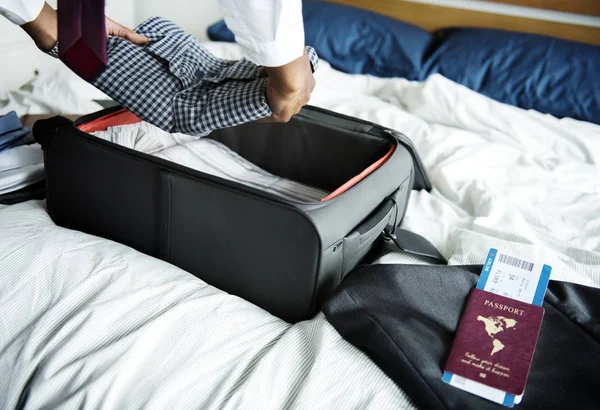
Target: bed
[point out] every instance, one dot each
(90, 323)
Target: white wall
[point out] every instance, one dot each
(194, 16)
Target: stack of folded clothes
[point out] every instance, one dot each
(208, 156)
(21, 162)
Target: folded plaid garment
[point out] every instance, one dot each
(176, 84)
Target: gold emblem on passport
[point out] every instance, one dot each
(493, 326)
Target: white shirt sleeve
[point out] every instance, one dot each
(271, 32)
(21, 11)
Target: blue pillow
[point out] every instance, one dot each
(357, 41)
(220, 32)
(550, 75)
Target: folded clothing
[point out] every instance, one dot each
(9, 122)
(208, 156)
(21, 159)
(177, 85)
(141, 136)
(22, 156)
(20, 167)
(20, 178)
(16, 139)
(12, 133)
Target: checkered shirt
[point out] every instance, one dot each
(177, 85)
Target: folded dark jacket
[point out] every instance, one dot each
(404, 317)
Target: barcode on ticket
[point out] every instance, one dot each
(517, 263)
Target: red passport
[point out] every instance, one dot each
(495, 341)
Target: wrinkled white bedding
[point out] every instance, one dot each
(89, 323)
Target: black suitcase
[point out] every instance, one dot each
(283, 255)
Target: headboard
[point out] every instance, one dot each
(431, 16)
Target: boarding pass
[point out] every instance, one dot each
(512, 277)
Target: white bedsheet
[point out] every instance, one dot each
(88, 321)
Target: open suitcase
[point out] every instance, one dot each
(284, 255)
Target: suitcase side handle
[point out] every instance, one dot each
(43, 130)
(385, 220)
(361, 239)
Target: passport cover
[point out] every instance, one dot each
(495, 341)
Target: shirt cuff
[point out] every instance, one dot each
(22, 12)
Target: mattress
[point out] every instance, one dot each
(90, 323)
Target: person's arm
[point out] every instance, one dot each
(40, 22)
(43, 30)
(271, 33)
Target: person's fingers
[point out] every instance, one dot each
(284, 112)
(115, 29)
(279, 116)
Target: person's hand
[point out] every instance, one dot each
(115, 29)
(289, 88)
(44, 30)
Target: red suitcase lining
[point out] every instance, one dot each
(124, 117)
(121, 117)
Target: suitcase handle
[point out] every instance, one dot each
(406, 241)
(360, 240)
(43, 130)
